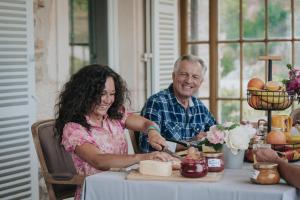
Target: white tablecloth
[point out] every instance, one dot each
(235, 185)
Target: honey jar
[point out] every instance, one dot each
(215, 162)
(265, 173)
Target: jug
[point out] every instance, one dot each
(283, 121)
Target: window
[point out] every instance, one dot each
(79, 34)
(230, 35)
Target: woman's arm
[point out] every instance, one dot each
(289, 172)
(102, 161)
(138, 123)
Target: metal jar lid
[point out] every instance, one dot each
(213, 155)
(265, 165)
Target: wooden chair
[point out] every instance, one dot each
(134, 137)
(56, 164)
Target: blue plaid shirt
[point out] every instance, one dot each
(174, 120)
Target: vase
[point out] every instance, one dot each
(233, 161)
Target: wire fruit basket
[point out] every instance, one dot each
(269, 100)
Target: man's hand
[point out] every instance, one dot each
(266, 155)
(199, 136)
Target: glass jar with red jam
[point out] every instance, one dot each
(215, 162)
(194, 168)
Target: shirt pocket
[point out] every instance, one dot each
(173, 129)
(197, 127)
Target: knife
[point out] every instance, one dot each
(171, 153)
(186, 143)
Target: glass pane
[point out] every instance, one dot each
(198, 20)
(297, 55)
(201, 50)
(252, 67)
(80, 56)
(253, 19)
(252, 115)
(229, 19)
(228, 111)
(79, 21)
(229, 70)
(279, 16)
(279, 69)
(205, 102)
(297, 18)
(283, 112)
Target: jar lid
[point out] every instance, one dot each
(213, 154)
(265, 165)
(276, 128)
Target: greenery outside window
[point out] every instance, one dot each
(230, 35)
(79, 34)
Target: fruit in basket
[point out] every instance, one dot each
(282, 105)
(273, 86)
(276, 136)
(273, 96)
(255, 84)
(257, 103)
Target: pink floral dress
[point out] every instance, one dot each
(108, 139)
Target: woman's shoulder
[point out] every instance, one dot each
(73, 126)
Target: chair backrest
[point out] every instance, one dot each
(56, 164)
(134, 137)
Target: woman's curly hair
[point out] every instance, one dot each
(83, 91)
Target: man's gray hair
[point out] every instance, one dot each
(190, 58)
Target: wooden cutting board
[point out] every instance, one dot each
(176, 176)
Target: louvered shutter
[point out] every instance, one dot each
(164, 42)
(18, 164)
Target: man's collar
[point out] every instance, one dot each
(174, 98)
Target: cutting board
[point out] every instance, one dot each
(176, 176)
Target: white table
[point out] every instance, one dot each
(235, 185)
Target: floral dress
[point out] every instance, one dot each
(109, 138)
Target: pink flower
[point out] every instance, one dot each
(215, 136)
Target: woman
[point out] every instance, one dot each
(91, 118)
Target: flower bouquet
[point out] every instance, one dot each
(235, 136)
(292, 84)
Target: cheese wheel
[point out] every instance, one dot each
(155, 168)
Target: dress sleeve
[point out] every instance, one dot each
(75, 135)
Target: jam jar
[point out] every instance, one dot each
(215, 162)
(265, 173)
(194, 168)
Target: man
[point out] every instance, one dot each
(178, 114)
(289, 172)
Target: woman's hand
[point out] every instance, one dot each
(156, 140)
(157, 155)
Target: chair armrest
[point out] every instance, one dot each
(65, 178)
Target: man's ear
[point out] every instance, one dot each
(173, 76)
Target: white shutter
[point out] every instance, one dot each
(164, 42)
(18, 164)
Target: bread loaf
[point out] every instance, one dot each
(155, 168)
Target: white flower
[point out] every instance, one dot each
(238, 138)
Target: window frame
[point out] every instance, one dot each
(214, 42)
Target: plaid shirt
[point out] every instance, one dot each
(174, 120)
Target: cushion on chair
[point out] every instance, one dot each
(58, 161)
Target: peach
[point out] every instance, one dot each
(255, 84)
